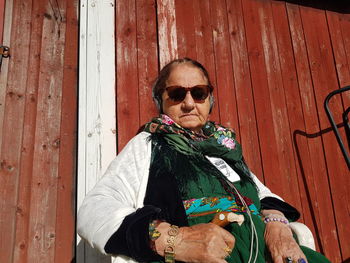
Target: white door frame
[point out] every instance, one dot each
(96, 110)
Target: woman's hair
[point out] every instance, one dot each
(160, 83)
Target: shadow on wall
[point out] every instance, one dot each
(297, 134)
(339, 6)
(86, 254)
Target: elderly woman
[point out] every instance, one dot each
(160, 196)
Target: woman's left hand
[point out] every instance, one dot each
(281, 243)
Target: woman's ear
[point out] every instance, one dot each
(158, 103)
(211, 101)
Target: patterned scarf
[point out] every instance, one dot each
(215, 140)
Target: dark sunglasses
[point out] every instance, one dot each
(178, 93)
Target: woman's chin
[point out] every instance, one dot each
(192, 125)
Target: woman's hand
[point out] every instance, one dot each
(281, 244)
(198, 243)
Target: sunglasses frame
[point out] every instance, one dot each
(175, 87)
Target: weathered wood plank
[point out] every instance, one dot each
(267, 137)
(293, 106)
(2, 17)
(324, 81)
(185, 29)
(245, 101)
(147, 51)
(277, 100)
(127, 80)
(339, 25)
(97, 124)
(340, 195)
(66, 205)
(43, 199)
(317, 165)
(288, 100)
(167, 36)
(226, 96)
(12, 129)
(30, 117)
(5, 63)
(204, 45)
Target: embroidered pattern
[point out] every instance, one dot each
(210, 205)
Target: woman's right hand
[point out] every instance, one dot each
(198, 243)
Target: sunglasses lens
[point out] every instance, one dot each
(178, 93)
(200, 92)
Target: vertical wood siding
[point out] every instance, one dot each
(272, 64)
(38, 132)
(2, 13)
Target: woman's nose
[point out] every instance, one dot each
(188, 103)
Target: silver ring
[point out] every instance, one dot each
(288, 260)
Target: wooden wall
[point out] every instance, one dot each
(38, 115)
(272, 64)
(2, 13)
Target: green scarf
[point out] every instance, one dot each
(215, 140)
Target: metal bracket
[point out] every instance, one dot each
(4, 53)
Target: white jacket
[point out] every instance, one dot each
(121, 191)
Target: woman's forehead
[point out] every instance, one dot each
(186, 73)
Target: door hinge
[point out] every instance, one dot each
(4, 53)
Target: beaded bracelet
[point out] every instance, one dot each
(153, 233)
(275, 218)
(169, 251)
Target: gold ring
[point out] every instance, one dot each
(227, 250)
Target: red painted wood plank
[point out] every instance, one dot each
(340, 195)
(243, 85)
(313, 215)
(167, 35)
(293, 118)
(226, 97)
(279, 123)
(45, 177)
(344, 24)
(147, 51)
(65, 220)
(204, 45)
(23, 214)
(269, 150)
(325, 80)
(127, 74)
(338, 47)
(185, 28)
(12, 130)
(305, 175)
(2, 14)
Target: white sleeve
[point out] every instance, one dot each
(116, 195)
(263, 191)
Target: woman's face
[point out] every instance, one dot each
(188, 113)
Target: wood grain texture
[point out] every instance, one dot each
(32, 128)
(65, 229)
(264, 115)
(2, 16)
(243, 85)
(12, 129)
(127, 73)
(147, 51)
(324, 80)
(226, 94)
(167, 35)
(205, 46)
